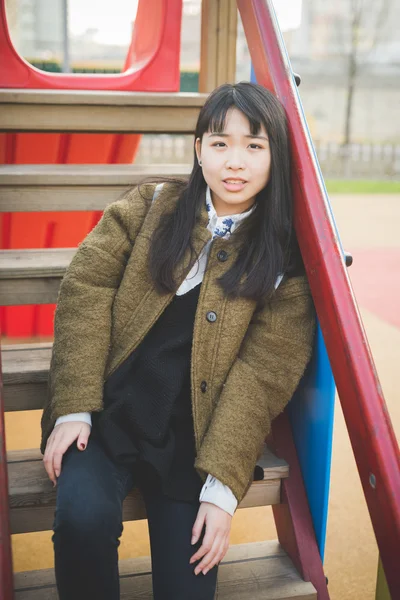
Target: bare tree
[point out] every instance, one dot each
(367, 18)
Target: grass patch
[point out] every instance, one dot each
(361, 186)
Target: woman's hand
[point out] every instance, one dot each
(60, 439)
(216, 538)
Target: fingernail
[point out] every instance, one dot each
(83, 446)
(193, 540)
(205, 571)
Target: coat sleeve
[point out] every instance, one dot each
(82, 321)
(262, 380)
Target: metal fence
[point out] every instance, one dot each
(355, 161)
(359, 161)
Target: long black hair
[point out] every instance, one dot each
(267, 244)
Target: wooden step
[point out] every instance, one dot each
(25, 370)
(32, 496)
(25, 188)
(254, 571)
(32, 276)
(99, 112)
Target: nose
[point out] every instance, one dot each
(234, 160)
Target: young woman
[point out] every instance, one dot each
(183, 326)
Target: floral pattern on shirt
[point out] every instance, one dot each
(223, 226)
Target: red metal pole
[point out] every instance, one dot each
(6, 568)
(371, 433)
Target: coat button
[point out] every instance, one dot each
(203, 386)
(222, 255)
(211, 316)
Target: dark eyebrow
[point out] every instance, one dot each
(259, 137)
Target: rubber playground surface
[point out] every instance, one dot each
(369, 229)
(368, 226)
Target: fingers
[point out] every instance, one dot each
(83, 438)
(58, 454)
(58, 443)
(216, 539)
(48, 459)
(198, 526)
(214, 553)
(217, 558)
(205, 547)
(53, 456)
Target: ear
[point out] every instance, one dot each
(198, 148)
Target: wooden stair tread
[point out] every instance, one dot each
(101, 97)
(32, 276)
(36, 262)
(73, 187)
(25, 369)
(86, 175)
(27, 360)
(253, 571)
(99, 111)
(32, 496)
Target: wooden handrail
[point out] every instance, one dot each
(370, 430)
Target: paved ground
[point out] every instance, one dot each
(368, 226)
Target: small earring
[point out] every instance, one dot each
(200, 163)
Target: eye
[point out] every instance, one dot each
(218, 144)
(255, 146)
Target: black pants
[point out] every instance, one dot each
(88, 525)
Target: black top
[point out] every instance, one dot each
(147, 421)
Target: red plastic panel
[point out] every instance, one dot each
(152, 64)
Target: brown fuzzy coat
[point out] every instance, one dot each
(251, 360)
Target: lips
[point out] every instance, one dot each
(234, 180)
(233, 184)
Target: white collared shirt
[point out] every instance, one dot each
(218, 227)
(213, 490)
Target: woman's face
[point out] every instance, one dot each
(235, 164)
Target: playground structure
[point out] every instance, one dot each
(151, 65)
(295, 482)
